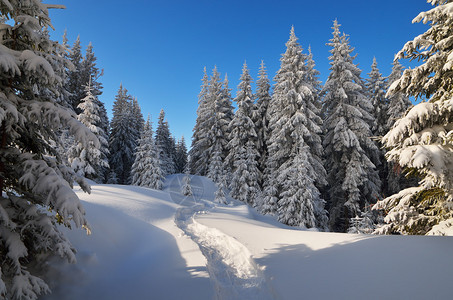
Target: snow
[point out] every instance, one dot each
(163, 245)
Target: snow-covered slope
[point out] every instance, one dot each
(149, 244)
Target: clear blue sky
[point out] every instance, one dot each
(158, 49)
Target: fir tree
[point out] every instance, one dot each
(146, 170)
(35, 185)
(352, 178)
(90, 160)
(243, 156)
(422, 140)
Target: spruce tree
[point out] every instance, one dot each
(422, 140)
(218, 134)
(181, 156)
(399, 103)
(165, 144)
(353, 178)
(243, 155)
(75, 79)
(186, 189)
(198, 152)
(123, 136)
(261, 118)
(35, 185)
(89, 72)
(375, 85)
(90, 160)
(376, 90)
(146, 170)
(294, 124)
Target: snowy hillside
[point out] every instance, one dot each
(149, 244)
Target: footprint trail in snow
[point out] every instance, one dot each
(232, 270)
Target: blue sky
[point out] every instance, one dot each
(157, 49)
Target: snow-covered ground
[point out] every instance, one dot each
(149, 244)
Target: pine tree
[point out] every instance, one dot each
(352, 178)
(35, 185)
(146, 170)
(243, 155)
(123, 136)
(376, 90)
(165, 144)
(294, 124)
(90, 160)
(422, 140)
(261, 118)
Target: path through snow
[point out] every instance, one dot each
(232, 270)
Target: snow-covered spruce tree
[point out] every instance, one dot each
(422, 141)
(89, 72)
(75, 84)
(294, 124)
(353, 178)
(399, 103)
(90, 160)
(363, 224)
(146, 170)
(123, 137)
(220, 193)
(376, 86)
(218, 134)
(165, 144)
(243, 155)
(181, 156)
(186, 189)
(295, 206)
(35, 185)
(198, 152)
(261, 118)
